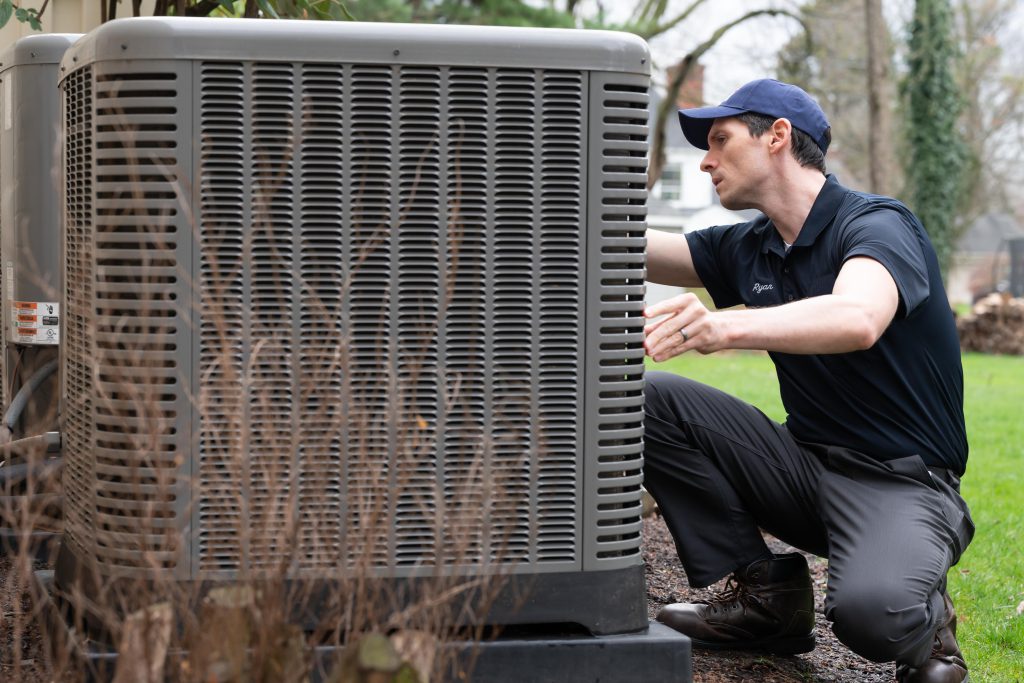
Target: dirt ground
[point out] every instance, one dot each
(830, 660)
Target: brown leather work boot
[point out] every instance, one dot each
(768, 606)
(946, 664)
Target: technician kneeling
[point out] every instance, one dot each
(843, 290)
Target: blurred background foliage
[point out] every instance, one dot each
(926, 97)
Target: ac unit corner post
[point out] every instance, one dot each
(386, 267)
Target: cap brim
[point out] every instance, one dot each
(696, 123)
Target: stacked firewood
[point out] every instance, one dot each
(994, 325)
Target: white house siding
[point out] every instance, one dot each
(65, 16)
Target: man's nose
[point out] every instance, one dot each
(707, 163)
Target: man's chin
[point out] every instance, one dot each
(733, 203)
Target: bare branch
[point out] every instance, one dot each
(200, 9)
(649, 11)
(672, 23)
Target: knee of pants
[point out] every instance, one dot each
(880, 622)
(656, 391)
(665, 438)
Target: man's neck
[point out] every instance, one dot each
(790, 203)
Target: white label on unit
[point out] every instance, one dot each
(35, 322)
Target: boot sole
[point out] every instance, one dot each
(775, 646)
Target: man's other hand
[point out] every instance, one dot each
(686, 325)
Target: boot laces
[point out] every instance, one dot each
(734, 593)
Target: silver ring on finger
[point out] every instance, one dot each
(686, 337)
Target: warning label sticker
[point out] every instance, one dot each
(35, 322)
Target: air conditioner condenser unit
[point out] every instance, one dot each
(347, 298)
(30, 270)
(30, 236)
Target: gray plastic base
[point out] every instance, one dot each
(655, 654)
(601, 602)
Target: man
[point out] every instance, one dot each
(843, 290)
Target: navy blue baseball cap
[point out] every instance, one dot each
(764, 96)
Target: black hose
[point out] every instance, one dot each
(33, 449)
(48, 442)
(20, 399)
(12, 474)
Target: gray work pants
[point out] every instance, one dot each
(721, 470)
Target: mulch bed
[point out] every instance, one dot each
(830, 660)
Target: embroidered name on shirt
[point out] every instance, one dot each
(758, 287)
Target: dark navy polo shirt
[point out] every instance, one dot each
(902, 396)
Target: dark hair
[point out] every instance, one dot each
(805, 149)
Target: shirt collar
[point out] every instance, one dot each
(824, 209)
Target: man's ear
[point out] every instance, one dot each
(780, 135)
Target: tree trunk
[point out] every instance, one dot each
(880, 93)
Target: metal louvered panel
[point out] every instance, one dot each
(224, 200)
(79, 346)
(368, 472)
(466, 447)
(418, 303)
(431, 281)
(249, 436)
(128, 418)
(322, 326)
(563, 154)
(141, 416)
(618, 129)
(273, 434)
(517, 448)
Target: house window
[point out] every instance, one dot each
(671, 182)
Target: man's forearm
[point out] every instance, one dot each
(822, 324)
(669, 261)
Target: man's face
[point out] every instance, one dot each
(737, 163)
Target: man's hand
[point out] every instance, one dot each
(687, 325)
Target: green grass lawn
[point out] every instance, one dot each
(988, 584)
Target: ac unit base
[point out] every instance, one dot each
(656, 653)
(601, 602)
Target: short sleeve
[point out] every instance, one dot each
(886, 236)
(709, 249)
